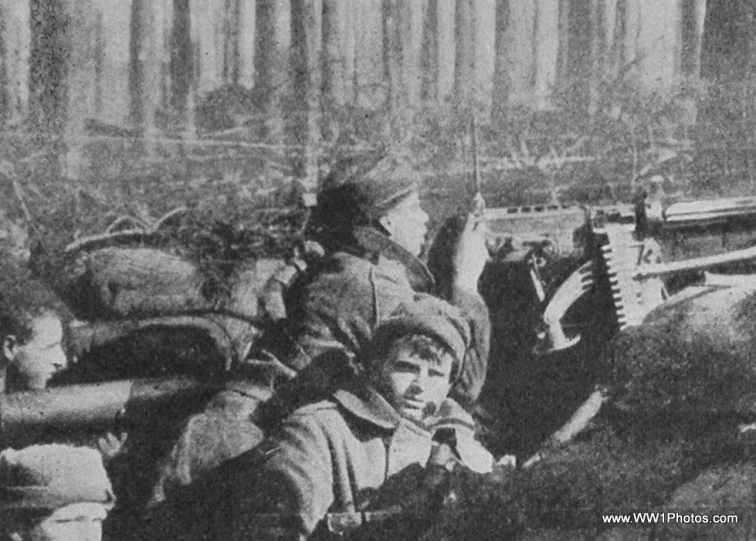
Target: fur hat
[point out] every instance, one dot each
(430, 316)
(362, 188)
(51, 477)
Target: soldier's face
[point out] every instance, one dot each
(406, 223)
(42, 355)
(75, 522)
(414, 386)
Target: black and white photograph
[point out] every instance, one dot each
(401, 270)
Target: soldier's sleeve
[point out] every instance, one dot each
(340, 311)
(469, 451)
(468, 387)
(334, 320)
(441, 264)
(294, 489)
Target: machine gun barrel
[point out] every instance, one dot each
(95, 407)
(698, 263)
(710, 212)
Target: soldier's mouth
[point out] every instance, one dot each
(411, 404)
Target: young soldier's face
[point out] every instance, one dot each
(414, 386)
(42, 355)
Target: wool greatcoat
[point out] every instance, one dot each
(323, 466)
(333, 309)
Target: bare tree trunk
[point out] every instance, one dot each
(146, 81)
(182, 65)
(47, 70)
(5, 59)
(631, 36)
(392, 51)
(501, 74)
(518, 51)
(335, 44)
(307, 23)
(693, 18)
(579, 54)
(337, 65)
(429, 55)
(246, 29)
(231, 27)
(564, 40)
(80, 82)
(546, 53)
(273, 63)
(113, 63)
(403, 34)
(599, 53)
(209, 28)
(15, 44)
(465, 55)
(370, 79)
(413, 22)
(364, 54)
(672, 44)
(445, 21)
(164, 39)
(656, 69)
(484, 43)
(350, 53)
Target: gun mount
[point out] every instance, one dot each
(540, 304)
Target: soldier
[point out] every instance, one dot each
(53, 493)
(31, 331)
(369, 220)
(323, 467)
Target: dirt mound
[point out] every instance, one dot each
(692, 355)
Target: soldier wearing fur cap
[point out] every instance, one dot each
(321, 469)
(53, 493)
(370, 221)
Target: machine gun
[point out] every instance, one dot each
(686, 237)
(630, 278)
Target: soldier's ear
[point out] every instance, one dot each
(10, 347)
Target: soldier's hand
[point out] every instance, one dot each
(111, 445)
(470, 253)
(507, 461)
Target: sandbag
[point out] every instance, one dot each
(693, 355)
(124, 282)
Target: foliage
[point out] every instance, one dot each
(562, 155)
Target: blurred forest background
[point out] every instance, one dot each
(133, 107)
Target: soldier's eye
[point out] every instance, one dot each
(402, 366)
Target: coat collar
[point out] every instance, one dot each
(373, 245)
(366, 403)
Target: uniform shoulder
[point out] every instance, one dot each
(337, 267)
(314, 408)
(321, 418)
